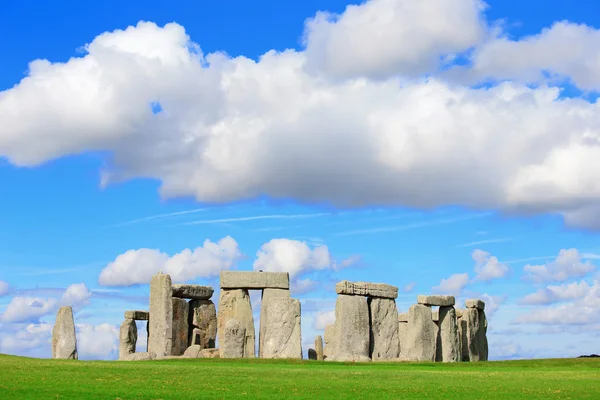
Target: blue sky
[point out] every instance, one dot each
(439, 146)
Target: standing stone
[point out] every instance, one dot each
(235, 304)
(282, 333)
(202, 323)
(319, 348)
(233, 339)
(402, 339)
(438, 339)
(351, 336)
(421, 337)
(180, 326)
(267, 294)
(449, 338)
(476, 334)
(312, 354)
(384, 340)
(462, 333)
(160, 340)
(328, 338)
(64, 340)
(483, 356)
(127, 338)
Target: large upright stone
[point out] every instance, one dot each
(436, 300)
(329, 338)
(180, 326)
(351, 332)
(160, 340)
(235, 304)
(421, 335)
(384, 343)
(476, 334)
(202, 323)
(462, 334)
(254, 280)
(319, 348)
(64, 340)
(449, 338)
(233, 339)
(267, 295)
(402, 335)
(194, 292)
(282, 333)
(127, 338)
(367, 289)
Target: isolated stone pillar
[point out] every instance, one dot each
(319, 348)
(232, 339)
(235, 304)
(127, 338)
(476, 330)
(160, 340)
(351, 329)
(202, 323)
(64, 339)
(449, 338)
(180, 326)
(282, 332)
(268, 294)
(384, 340)
(402, 335)
(421, 335)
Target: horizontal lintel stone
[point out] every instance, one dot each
(442, 301)
(254, 280)
(137, 315)
(194, 292)
(403, 317)
(475, 303)
(367, 289)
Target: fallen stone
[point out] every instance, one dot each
(403, 317)
(127, 338)
(137, 357)
(384, 340)
(234, 340)
(210, 353)
(351, 337)
(402, 332)
(421, 336)
(160, 339)
(194, 292)
(312, 354)
(64, 340)
(267, 295)
(475, 303)
(367, 289)
(235, 304)
(450, 339)
(436, 300)
(282, 329)
(202, 323)
(180, 326)
(137, 315)
(319, 348)
(254, 280)
(193, 352)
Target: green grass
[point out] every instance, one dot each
(26, 378)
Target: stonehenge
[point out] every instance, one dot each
(64, 340)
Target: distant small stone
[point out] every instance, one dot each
(194, 292)
(436, 300)
(137, 315)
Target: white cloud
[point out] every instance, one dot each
(296, 257)
(409, 287)
(138, 266)
(568, 264)
(26, 339)
(487, 267)
(492, 303)
(553, 294)
(323, 318)
(453, 285)
(4, 287)
(76, 295)
(100, 342)
(302, 286)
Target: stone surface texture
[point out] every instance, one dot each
(328, 339)
(449, 337)
(476, 327)
(403, 317)
(367, 289)
(267, 295)
(464, 340)
(128, 335)
(137, 315)
(180, 326)
(421, 336)
(254, 280)
(137, 357)
(351, 329)
(319, 348)
(402, 332)
(384, 340)
(202, 323)
(282, 333)
(160, 339)
(234, 339)
(235, 304)
(436, 300)
(210, 353)
(64, 340)
(475, 303)
(194, 292)
(193, 352)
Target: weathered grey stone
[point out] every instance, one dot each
(367, 289)
(475, 303)
(484, 352)
(319, 348)
(193, 352)
(436, 300)
(254, 280)
(138, 357)
(450, 340)
(328, 338)
(403, 317)
(64, 340)
(194, 292)
(210, 353)
(459, 312)
(421, 335)
(267, 294)
(180, 326)
(438, 341)
(384, 343)
(282, 329)
(160, 339)
(464, 339)
(476, 334)
(234, 339)
(351, 337)
(402, 333)
(137, 315)
(127, 338)
(435, 315)
(202, 323)
(235, 304)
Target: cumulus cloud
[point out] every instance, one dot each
(97, 342)
(138, 266)
(4, 287)
(492, 303)
(568, 264)
(296, 257)
(453, 285)
(554, 294)
(76, 295)
(323, 318)
(26, 339)
(487, 267)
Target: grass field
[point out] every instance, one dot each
(26, 378)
